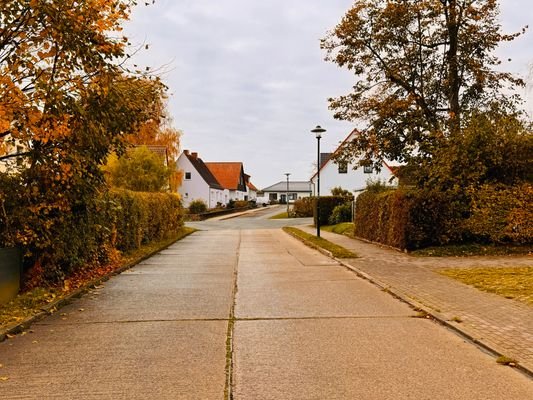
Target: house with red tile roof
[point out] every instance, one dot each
(231, 176)
(216, 183)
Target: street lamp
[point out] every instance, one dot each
(287, 175)
(318, 131)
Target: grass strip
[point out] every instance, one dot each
(31, 303)
(344, 228)
(282, 215)
(510, 282)
(320, 243)
(467, 250)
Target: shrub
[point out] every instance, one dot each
(197, 207)
(144, 217)
(303, 208)
(341, 213)
(501, 214)
(241, 203)
(327, 204)
(408, 219)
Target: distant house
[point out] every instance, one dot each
(252, 190)
(343, 175)
(198, 182)
(278, 192)
(161, 151)
(231, 177)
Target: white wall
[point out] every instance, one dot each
(354, 181)
(196, 188)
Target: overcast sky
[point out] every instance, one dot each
(248, 81)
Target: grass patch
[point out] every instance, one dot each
(503, 360)
(466, 250)
(344, 228)
(282, 215)
(320, 243)
(32, 302)
(512, 282)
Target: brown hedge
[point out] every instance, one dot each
(420, 218)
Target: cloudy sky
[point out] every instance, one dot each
(248, 81)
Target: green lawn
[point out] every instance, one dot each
(344, 228)
(316, 242)
(282, 215)
(510, 282)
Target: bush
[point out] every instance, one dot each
(327, 204)
(408, 219)
(341, 213)
(59, 242)
(197, 207)
(241, 204)
(501, 214)
(144, 217)
(303, 208)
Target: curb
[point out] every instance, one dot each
(432, 315)
(417, 306)
(51, 308)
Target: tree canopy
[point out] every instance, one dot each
(422, 68)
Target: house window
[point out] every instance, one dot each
(343, 168)
(272, 196)
(187, 176)
(293, 196)
(368, 169)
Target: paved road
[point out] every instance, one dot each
(252, 314)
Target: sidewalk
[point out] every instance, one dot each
(503, 325)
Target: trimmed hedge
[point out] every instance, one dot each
(141, 218)
(303, 208)
(59, 242)
(327, 205)
(416, 219)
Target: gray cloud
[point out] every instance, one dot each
(248, 80)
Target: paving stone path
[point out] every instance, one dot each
(504, 325)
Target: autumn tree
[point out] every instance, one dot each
(159, 131)
(139, 169)
(422, 68)
(65, 103)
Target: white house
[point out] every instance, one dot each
(278, 192)
(198, 182)
(343, 175)
(252, 190)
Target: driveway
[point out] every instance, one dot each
(242, 313)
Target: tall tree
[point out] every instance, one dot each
(421, 66)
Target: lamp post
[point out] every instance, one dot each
(287, 175)
(318, 131)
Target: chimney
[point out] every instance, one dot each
(186, 152)
(194, 155)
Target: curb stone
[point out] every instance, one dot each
(51, 308)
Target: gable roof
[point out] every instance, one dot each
(157, 149)
(228, 174)
(294, 186)
(202, 169)
(337, 150)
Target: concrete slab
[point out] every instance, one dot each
(141, 298)
(166, 360)
(365, 359)
(308, 298)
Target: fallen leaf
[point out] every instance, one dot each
(3, 378)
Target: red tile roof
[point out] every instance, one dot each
(228, 174)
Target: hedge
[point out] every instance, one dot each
(303, 208)
(327, 205)
(415, 219)
(57, 243)
(406, 219)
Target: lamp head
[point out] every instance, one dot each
(318, 131)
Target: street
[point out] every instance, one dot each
(235, 312)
